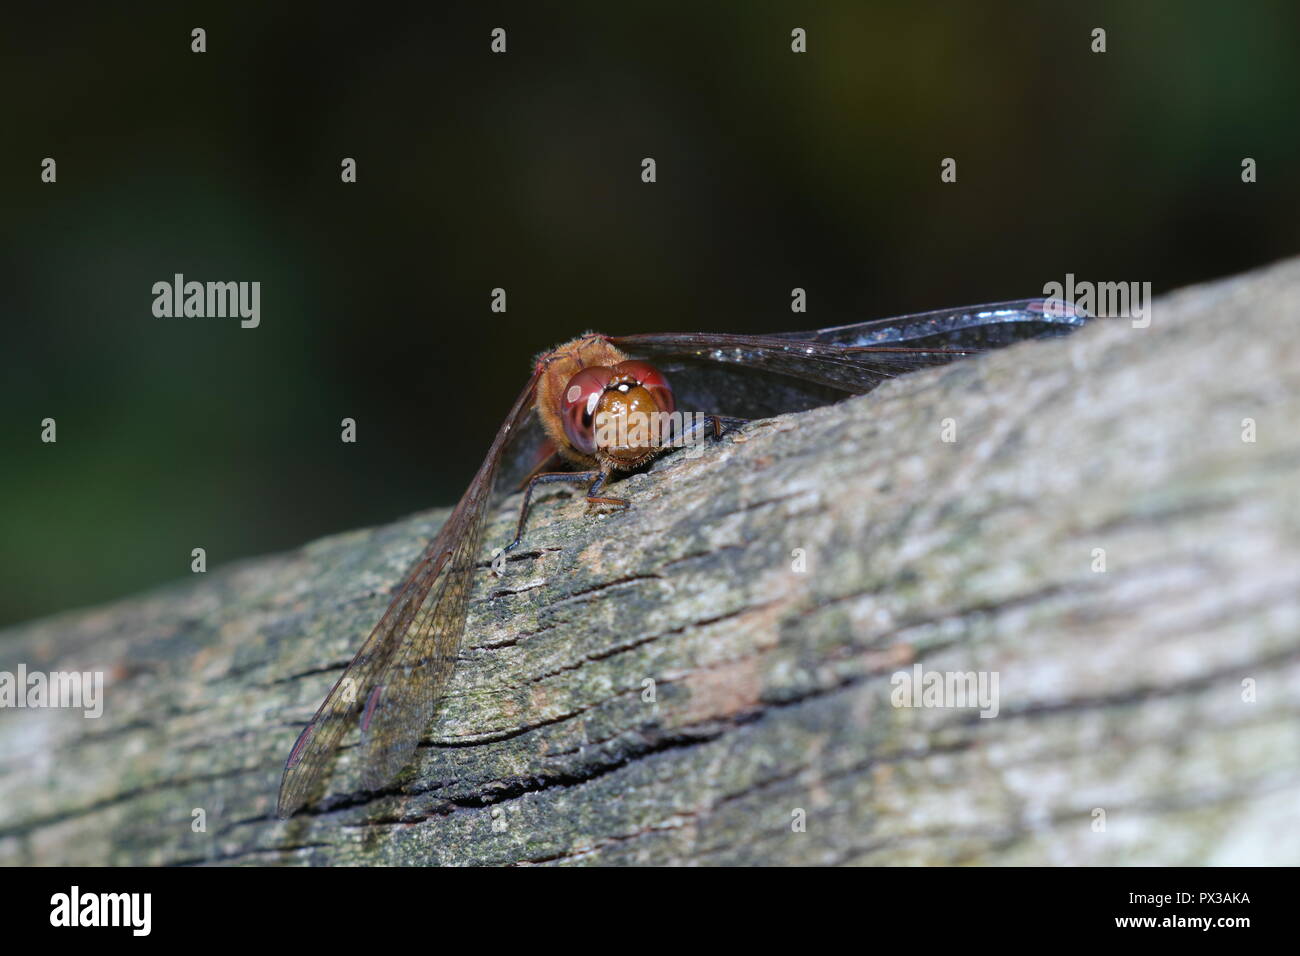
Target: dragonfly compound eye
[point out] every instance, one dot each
(578, 410)
(632, 413)
(649, 378)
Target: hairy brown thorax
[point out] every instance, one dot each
(557, 367)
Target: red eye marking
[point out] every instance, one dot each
(578, 406)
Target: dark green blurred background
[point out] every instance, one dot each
(523, 171)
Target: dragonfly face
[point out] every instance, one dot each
(617, 414)
(600, 409)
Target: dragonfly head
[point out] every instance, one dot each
(619, 413)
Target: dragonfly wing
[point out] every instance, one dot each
(400, 705)
(979, 327)
(397, 677)
(529, 448)
(836, 370)
(739, 391)
(316, 744)
(800, 370)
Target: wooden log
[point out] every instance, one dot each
(711, 677)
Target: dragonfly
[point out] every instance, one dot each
(587, 415)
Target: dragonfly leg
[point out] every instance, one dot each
(545, 463)
(708, 424)
(723, 424)
(594, 497)
(546, 479)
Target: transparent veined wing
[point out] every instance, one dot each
(394, 682)
(804, 369)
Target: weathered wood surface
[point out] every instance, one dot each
(1120, 691)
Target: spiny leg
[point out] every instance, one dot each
(722, 423)
(546, 479)
(715, 424)
(595, 498)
